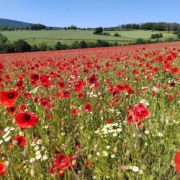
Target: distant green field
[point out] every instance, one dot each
(69, 36)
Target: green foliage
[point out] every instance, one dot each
(37, 27)
(140, 41)
(43, 46)
(178, 35)
(72, 27)
(83, 44)
(11, 28)
(101, 43)
(3, 38)
(34, 48)
(98, 30)
(58, 46)
(117, 34)
(154, 36)
(21, 46)
(75, 45)
(106, 33)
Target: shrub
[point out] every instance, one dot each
(117, 35)
(21, 46)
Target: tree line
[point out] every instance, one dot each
(32, 27)
(160, 26)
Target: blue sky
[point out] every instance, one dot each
(90, 13)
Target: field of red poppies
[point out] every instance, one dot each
(103, 113)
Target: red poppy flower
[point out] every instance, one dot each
(34, 77)
(74, 111)
(23, 107)
(27, 95)
(20, 141)
(78, 86)
(12, 110)
(55, 170)
(174, 70)
(92, 79)
(19, 85)
(133, 118)
(2, 169)
(61, 84)
(62, 161)
(141, 111)
(88, 108)
(81, 95)
(88, 163)
(66, 94)
(36, 99)
(45, 81)
(44, 102)
(26, 119)
(177, 161)
(8, 98)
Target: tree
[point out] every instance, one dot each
(11, 28)
(153, 36)
(117, 35)
(34, 48)
(21, 46)
(98, 30)
(43, 46)
(58, 46)
(75, 45)
(140, 41)
(83, 44)
(3, 38)
(37, 27)
(178, 35)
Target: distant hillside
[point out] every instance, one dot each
(19, 24)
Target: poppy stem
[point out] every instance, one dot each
(74, 172)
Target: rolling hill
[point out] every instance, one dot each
(20, 24)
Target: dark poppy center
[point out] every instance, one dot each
(36, 76)
(27, 116)
(92, 80)
(19, 142)
(11, 95)
(12, 109)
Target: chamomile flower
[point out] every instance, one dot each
(135, 169)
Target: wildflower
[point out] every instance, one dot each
(19, 141)
(177, 161)
(26, 119)
(141, 111)
(135, 168)
(2, 169)
(62, 161)
(7, 139)
(32, 160)
(44, 157)
(112, 156)
(146, 131)
(8, 98)
(160, 134)
(12, 110)
(105, 153)
(88, 108)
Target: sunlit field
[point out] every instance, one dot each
(102, 113)
(69, 36)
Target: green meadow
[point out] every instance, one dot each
(69, 36)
